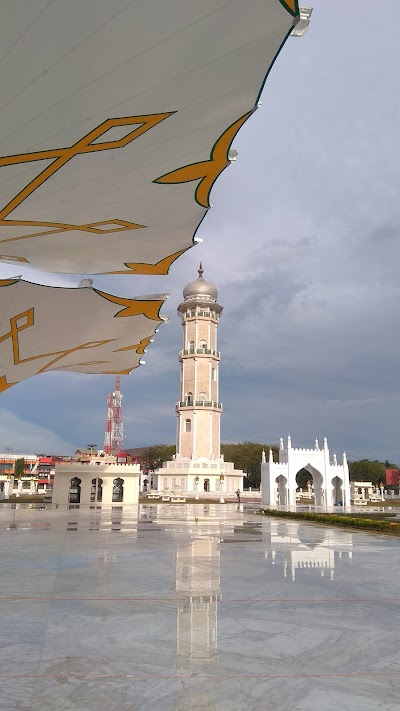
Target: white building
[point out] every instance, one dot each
(198, 465)
(363, 491)
(94, 483)
(330, 480)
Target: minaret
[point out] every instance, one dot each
(198, 410)
(198, 467)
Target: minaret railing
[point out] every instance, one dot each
(200, 351)
(199, 403)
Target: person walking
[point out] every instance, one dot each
(238, 496)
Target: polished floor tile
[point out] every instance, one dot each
(194, 608)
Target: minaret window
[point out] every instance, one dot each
(188, 425)
(202, 397)
(203, 346)
(191, 346)
(189, 398)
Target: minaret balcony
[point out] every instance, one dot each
(200, 351)
(199, 403)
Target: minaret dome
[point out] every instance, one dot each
(200, 289)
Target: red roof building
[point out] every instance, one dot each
(392, 477)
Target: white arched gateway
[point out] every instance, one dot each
(330, 480)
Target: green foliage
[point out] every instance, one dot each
(247, 456)
(366, 470)
(390, 465)
(337, 520)
(153, 457)
(19, 468)
(302, 477)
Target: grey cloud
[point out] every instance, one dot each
(303, 245)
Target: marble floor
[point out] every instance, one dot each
(194, 608)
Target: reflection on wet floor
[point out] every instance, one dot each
(291, 547)
(196, 606)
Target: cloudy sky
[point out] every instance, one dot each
(303, 245)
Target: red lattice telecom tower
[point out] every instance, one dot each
(114, 434)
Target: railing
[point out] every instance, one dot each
(200, 351)
(199, 403)
(206, 314)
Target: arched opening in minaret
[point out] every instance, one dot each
(206, 485)
(203, 346)
(189, 398)
(191, 346)
(188, 425)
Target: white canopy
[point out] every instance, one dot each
(84, 330)
(116, 118)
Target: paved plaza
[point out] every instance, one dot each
(194, 608)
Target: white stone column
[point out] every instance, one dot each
(194, 436)
(327, 484)
(211, 434)
(86, 485)
(108, 489)
(195, 381)
(177, 434)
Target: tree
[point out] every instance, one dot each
(153, 457)
(247, 456)
(302, 477)
(19, 468)
(366, 470)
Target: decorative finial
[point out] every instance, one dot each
(201, 270)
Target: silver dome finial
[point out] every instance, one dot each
(201, 271)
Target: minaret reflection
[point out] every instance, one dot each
(295, 546)
(198, 581)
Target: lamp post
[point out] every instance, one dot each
(91, 447)
(196, 481)
(221, 498)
